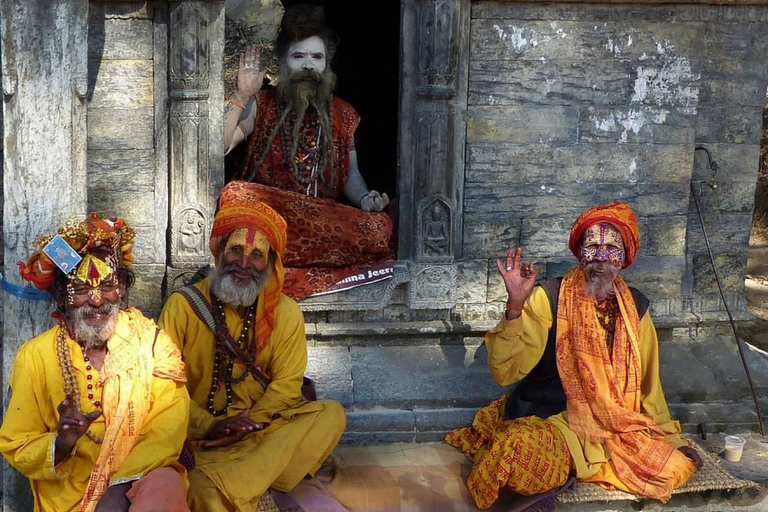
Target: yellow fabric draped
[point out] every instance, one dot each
(604, 391)
(28, 430)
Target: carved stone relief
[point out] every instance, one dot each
(432, 287)
(189, 239)
(434, 228)
(437, 53)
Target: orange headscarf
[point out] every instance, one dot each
(619, 215)
(96, 232)
(239, 208)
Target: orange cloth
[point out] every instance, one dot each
(96, 231)
(604, 392)
(240, 207)
(619, 215)
(127, 379)
(161, 489)
(529, 455)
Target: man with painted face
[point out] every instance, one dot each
(301, 148)
(589, 403)
(245, 349)
(98, 409)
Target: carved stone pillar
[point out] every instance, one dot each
(433, 122)
(44, 85)
(195, 90)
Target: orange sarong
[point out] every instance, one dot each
(528, 455)
(604, 394)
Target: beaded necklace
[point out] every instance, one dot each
(70, 382)
(224, 361)
(306, 169)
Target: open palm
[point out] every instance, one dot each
(519, 278)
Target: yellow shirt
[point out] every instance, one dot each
(284, 359)
(516, 346)
(29, 428)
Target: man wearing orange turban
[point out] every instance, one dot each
(98, 409)
(245, 349)
(588, 402)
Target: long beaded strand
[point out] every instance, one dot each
(70, 382)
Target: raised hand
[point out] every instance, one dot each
(229, 430)
(519, 278)
(73, 424)
(250, 75)
(374, 202)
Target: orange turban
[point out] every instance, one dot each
(239, 208)
(95, 233)
(620, 216)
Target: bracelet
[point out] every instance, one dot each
(233, 102)
(511, 307)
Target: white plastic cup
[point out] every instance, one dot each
(734, 445)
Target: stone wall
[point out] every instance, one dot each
(127, 176)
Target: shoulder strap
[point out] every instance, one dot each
(204, 311)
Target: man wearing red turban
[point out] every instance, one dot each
(245, 349)
(588, 402)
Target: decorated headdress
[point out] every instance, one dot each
(240, 208)
(619, 215)
(301, 22)
(90, 249)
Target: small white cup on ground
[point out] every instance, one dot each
(734, 445)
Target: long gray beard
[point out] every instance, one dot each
(92, 336)
(231, 290)
(600, 286)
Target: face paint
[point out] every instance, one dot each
(250, 240)
(603, 242)
(307, 54)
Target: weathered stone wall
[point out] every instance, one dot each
(127, 173)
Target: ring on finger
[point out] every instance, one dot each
(509, 268)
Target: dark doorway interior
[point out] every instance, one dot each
(367, 65)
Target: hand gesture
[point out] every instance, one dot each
(374, 202)
(692, 455)
(519, 278)
(229, 430)
(72, 425)
(250, 75)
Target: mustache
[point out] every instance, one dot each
(88, 310)
(229, 268)
(306, 75)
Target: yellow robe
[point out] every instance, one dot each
(298, 435)
(516, 346)
(28, 431)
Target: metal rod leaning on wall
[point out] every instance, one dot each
(713, 184)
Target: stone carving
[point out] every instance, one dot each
(188, 63)
(189, 235)
(176, 278)
(438, 49)
(433, 149)
(434, 232)
(432, 287)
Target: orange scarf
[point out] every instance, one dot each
(604, 393)
(127, 378)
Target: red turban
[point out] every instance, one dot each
(240, 208)
(620, 216)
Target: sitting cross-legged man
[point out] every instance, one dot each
(589, 402)
(98, 409)
(244, 346)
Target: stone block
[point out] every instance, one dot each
(663, 236)
(545, 200)
(732, 82)
(549, 82)
(137, 209)
(501, 162)
(118, 39)
(471, 281)
(656, 276)
(732, 268)
(440, 420)
(543, 238)
(126, 170)
(405, 377)
(735, 162)
(113, 128)
(668, 163)
(380, 419)
(477, 312)
(485, 235)
(725, 231)
(122, 83)
(500, 39)
(147, 292)
(734, 125)
(718, 417)
(331, 370)
(148, 248)
(635, 123)
(375, 438)
(558, 267)
(598, 162)
(524, 124)
(738, 197)
(651, 199)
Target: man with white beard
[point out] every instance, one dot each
(245, 350)
(588, 403)
(301, 152)
(98, 410)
